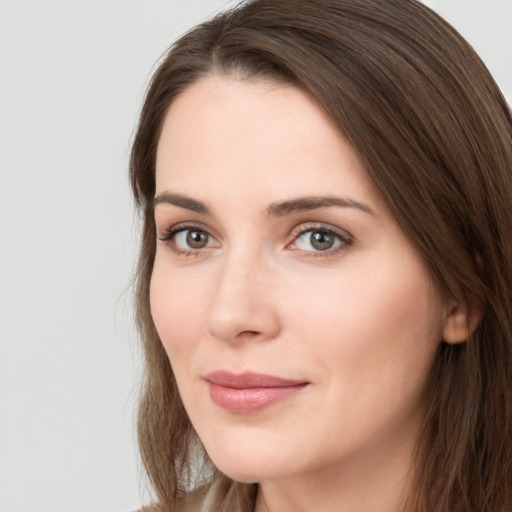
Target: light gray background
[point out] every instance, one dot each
(72, 76)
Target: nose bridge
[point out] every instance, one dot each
(241, 304)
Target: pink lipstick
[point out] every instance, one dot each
(248, 392)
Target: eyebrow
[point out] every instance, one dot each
(277, 209)
(302, 204)
(182, 201)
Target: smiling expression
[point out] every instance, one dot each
(299, 320)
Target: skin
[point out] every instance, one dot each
(360, 322)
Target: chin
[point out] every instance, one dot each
(247, 466)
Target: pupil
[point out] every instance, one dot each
(321, 240)
(196, 239)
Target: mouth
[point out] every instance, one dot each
(249, 392)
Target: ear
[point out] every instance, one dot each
(462, 320)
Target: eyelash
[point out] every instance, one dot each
(343, 237)
(171, 233)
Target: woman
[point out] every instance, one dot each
(325, 271)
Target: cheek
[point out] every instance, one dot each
(369, 320)
(370, 341)
(176, 310)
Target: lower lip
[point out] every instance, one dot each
(250, 400)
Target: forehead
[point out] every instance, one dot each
(255, 135)
(252, 113)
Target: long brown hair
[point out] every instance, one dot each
(435, 134)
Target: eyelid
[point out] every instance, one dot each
(170, 234)
(344, 236)
(182, 226)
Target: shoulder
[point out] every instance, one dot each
(191, 502)
(221, 494)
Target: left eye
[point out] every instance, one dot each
(318, 240)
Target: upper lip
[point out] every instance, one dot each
(250, 380)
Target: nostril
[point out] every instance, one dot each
(249, 333)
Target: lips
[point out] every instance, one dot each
(249, 392)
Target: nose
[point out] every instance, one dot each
(242, 306)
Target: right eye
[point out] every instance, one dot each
(185, 240)
(192, 239)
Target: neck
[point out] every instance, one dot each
(376, 483)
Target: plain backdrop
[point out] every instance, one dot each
(72, 78)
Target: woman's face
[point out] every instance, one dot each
(299, 320)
